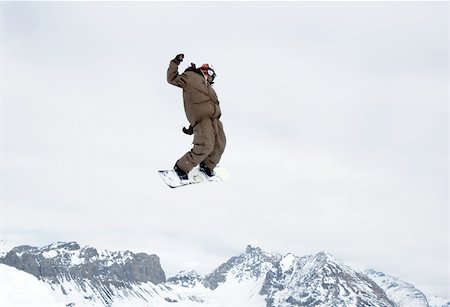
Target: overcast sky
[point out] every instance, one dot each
(335, 114)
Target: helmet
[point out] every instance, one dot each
(208, 70)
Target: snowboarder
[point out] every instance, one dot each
(202, 110)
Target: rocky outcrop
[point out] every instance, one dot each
(87, 267)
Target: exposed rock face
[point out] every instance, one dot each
(86, 266)
(186, 279)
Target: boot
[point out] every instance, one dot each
(182, 174)
(209, 172)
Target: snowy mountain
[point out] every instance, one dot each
(98, 275)
(321, 280)
(403, 293)
(66, 274)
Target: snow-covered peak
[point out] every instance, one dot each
(403, 293)
(253, 256)
(319, 279)
(325, 257)
(253, 264)
(253, 250)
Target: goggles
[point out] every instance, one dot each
(209, 70)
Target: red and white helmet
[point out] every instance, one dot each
(207, 70)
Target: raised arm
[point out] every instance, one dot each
(173, 77)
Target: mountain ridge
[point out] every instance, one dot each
(85, 276)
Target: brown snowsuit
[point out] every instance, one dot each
(203, 112)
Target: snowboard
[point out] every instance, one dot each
(195, 176)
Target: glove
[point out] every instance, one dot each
(188, 131)
(179, 58)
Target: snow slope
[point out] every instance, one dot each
(437, 301)
(403, 293)
(4, 248)
(22, 289)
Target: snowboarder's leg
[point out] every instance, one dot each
(204, 139)
(219, 145)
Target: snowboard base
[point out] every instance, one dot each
(195, 176)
